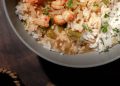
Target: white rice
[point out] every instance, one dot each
(102, 40)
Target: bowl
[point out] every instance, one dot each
(91, 59)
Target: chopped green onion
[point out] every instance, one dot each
(85, 27)
(104, 27)
(70, 3)
(106, 15)
(116, 30)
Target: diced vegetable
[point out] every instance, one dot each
(70, 3)
(60, 29)
(106, 2)
(51, 34)
(74, 35)
(116, 30)
(85, 27)
(104, 27)
(96, 4)
(46, 11)
(106, 15)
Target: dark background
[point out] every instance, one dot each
(34, 71)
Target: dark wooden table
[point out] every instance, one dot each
(35, 71)
(17, 57)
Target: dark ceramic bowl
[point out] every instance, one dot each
(90, 59)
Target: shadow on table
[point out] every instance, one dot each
(65, 76)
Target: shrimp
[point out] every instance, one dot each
(95, 8)
(58, 4)
(34, 1)
(43, 21)
(68, 16)
(58, 19)
(31, 1)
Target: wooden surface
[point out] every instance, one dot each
(17, 57)
(35, 71)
